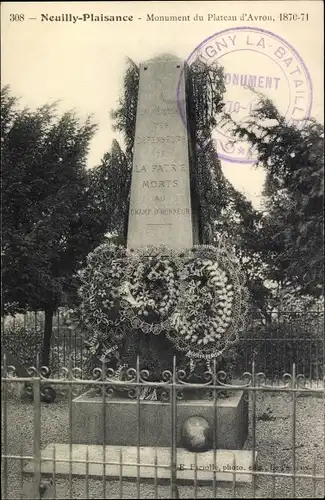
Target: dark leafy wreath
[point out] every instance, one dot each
(98, 315)
(212, 306)
(150, 291)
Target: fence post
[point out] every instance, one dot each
(173, 485)
(37, 430)
(104, 425)
(70, 426)
(5, 428)
(214, 429)
(138, 424)
(294, 408)
(253, 428)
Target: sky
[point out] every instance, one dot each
(81, 64)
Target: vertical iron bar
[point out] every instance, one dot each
(324, 432)
(294, 405)
(173, 433)
(315, 370)
(138, 425)
(70, 426)
(323, 367)
(69, 339)
(104, 427)
(5, 429)
(297, 354)
(310, 361)
(87, 473)
(285, 350)
(214, 430)
(156, 474)
(58, 343)
(314, 480)
(81, 355)
(278, 357)
(21, 469)
(64, 347)
(121, 473)
(246, 357)
(195, 476)
(234, 477)
(75, 347)
(254, 427)
(54, 471)
(271, 361)
(322, 364)
(273, 479)
(37, 431)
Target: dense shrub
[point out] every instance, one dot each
(290, 337)
(23, 342)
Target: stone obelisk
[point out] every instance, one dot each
(160, 204)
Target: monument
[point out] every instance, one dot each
(161, 209)
(163, 212)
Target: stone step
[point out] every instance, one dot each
(187, 463)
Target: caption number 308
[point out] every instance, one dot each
(17, 17)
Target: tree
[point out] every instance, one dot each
(291, 236)
(49, 220)
(109, 185)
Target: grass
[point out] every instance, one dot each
(273, 445)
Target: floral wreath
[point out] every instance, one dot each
(99, 313)
(212, 305)
(195, 297)
(150, 291)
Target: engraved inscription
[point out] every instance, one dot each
(168, 139)
(160, 211)
(158, 111)
(169, 168)
(140, 168)
(166, 168)
(160, 201)
(160, 125)
(160, 184)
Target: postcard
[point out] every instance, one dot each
(162, 248)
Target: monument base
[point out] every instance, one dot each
(122, 462)
(121, 420)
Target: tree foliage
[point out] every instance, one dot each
(109, 185)
(49, 221)
(291, 236)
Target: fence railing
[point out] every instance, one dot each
(287, 337)
(285, 440)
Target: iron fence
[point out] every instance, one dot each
(290, 413)
(274, 343)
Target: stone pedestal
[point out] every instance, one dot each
(201, 467)
(121, 421)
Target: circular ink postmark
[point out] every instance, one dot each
(259, 59)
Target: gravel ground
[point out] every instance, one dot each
(273, 444)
